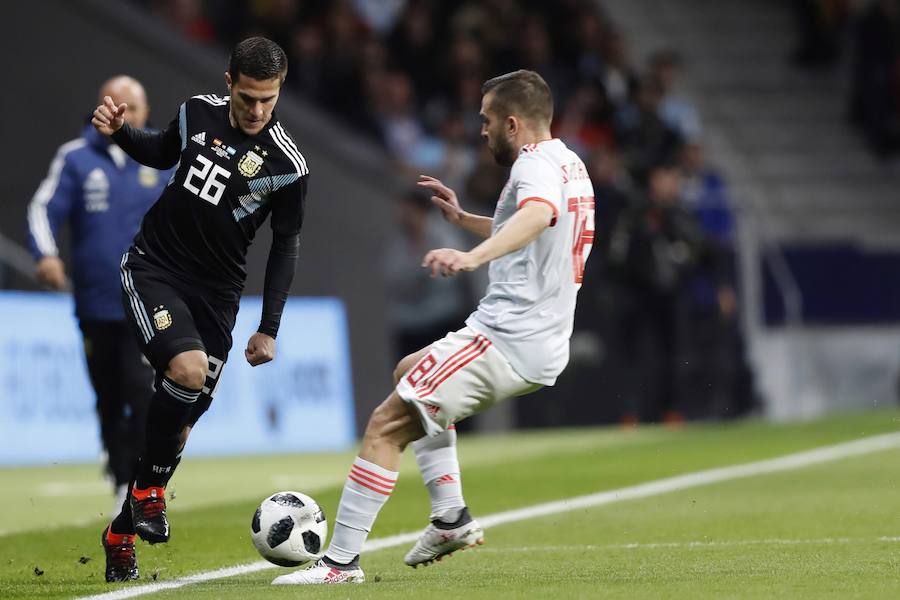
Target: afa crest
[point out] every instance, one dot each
(250, 163)
(162, 318)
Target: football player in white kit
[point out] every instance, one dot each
(515, 342)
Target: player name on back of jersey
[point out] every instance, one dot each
(574, 171)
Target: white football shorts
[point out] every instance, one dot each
(461, 375)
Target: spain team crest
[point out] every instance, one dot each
(250, 164)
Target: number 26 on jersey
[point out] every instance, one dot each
(211, 184)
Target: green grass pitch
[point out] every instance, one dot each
(826, 531)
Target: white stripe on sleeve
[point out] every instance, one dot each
(38, 221)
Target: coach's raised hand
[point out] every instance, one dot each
(109, 118)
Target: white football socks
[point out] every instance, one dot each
(367, 488)
(436, 456)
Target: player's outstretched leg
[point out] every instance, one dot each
(168, 416)
(372, 477)
(452, 528)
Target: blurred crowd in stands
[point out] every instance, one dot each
(869, 32)
(657, 330)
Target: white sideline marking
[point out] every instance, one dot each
(693, 544)
(651, 488)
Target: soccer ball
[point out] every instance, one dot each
(289, 529)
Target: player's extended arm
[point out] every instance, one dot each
(279, 276)
(287, 219)
(445, 199)
(280, 267)
(521, 229)
(157, 149)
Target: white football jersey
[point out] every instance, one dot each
(529, 306)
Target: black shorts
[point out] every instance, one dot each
(170, 316)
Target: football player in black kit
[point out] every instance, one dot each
(183, 276)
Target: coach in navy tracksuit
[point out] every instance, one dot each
(102, 194)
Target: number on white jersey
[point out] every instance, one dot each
(583, 234)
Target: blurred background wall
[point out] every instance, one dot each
(744, 156)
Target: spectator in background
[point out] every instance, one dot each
(717, 376)
(612, 190)
(674, 109)
(379, 15)
(422, 307)
(343, 77)
(102, 194)
(644, 137)
(584, 122)
(307, 54)
(460, 158)
(536, 53)
(875, 100)
(819, 25)
(188, 17)
(704, 193)
(620, 80)
(402, 130)
(589, 52)
(654, 246)
(414, 45)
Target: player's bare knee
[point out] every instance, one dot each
(189, 369)
(392, 422)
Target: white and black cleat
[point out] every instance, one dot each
(442, 539)
(324, 571)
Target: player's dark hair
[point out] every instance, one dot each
(259, 58)
(522, 93)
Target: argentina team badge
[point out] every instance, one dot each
(250, 164)
(162, 318)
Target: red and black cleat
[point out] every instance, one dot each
(121, 562)
(148, 511)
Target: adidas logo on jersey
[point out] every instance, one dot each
(200, 138)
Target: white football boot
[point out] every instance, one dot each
(321, 572)
(443, 539)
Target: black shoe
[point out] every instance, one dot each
(148, 512)
(121, 562)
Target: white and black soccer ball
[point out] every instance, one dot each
(289, 529)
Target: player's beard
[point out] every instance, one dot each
(504, 153)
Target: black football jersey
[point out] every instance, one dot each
(227, 183)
